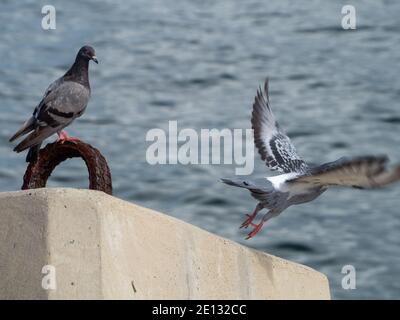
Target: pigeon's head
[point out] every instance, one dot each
(87, 52)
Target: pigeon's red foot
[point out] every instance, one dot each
(256, 229)
(63, 136)
(249, 220)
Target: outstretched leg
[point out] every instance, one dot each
(257, 227)
(63, 136)
(252, 216)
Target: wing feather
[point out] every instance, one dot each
(63, 104)
(359, 172)
(35, 138)
(272, 143)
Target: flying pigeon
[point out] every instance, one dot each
(299, 181)
(64, 101)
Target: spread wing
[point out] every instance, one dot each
(359, 172)
(272, 143)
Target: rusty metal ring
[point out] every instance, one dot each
(53, 154)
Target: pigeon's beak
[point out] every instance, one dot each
(94, 58)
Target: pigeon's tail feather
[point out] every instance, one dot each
(256, 184)
(33, 153)
(25, 128)
(235, 183)
(35, 138)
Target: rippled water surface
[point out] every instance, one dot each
(199, 62)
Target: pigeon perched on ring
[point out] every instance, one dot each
(64, 101)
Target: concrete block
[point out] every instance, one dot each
(102, 247)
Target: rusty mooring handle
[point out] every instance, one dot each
(53, 154)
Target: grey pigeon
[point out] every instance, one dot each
(299, 181)
(64, 101)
